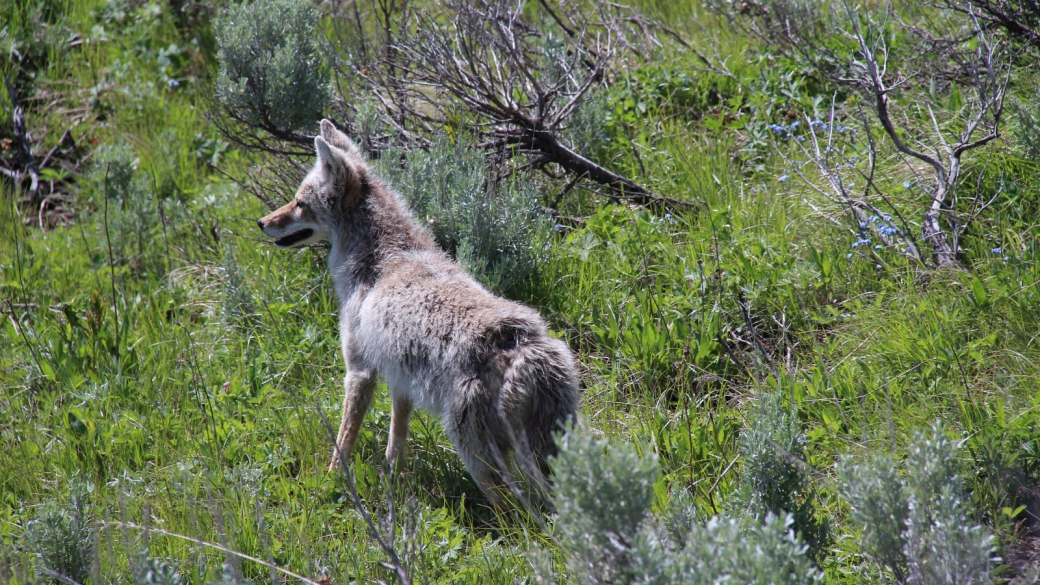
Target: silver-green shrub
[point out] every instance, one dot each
(919, 525)
(271, 74)
(608, 534)
(602, 495)
(127, 209)
(491, 228)
(237, 307)
(1027, 129)
(772, 480)
(62, 536)
(149, 571)
(730, 551)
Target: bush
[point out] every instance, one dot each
(920, 526)
(131, 212)
(271, 72)
(772, 482)
(149, 571)
(608, 535)
(237, 307)
(602, 496)
(490, 228)
(1027, 131)
(62, 537)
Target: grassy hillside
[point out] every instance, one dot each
(169, 377)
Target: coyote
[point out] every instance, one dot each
(485, 365)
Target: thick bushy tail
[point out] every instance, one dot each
(503, 420)
(544, 376)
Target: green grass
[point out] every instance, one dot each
(184, 368)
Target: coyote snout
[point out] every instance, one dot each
(408, 314)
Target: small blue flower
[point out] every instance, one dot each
(873, 218)
(782, 178)
(849, 255)
(906, 184)
(878, 247)
(800, 138)
(878, 266)
(174, 83)
(997, 251)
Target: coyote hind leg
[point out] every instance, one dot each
(400, 412)
(356, 399)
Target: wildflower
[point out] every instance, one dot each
(794, 125)
(878, 247)
(997, 251)
(878, 266)
(849, 255)
(174, 83)
(783, 178)
(906, 184)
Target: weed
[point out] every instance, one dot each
(271, 72)
(62, 536)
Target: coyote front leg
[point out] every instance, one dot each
(356, 400)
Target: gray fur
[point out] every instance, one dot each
(486, 366)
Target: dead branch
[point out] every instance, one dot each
(512, 84)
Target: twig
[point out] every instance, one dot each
(111, 262)
(213, 545)
(18, 123)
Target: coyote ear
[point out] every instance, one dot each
(332, 161)
(338, 139)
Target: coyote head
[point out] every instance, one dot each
(330, 190)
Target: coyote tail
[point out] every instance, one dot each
(543, 371)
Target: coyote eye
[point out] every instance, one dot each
(301, 204)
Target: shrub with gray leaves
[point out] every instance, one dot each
(271, 72)
(919, 525)
(773, 480)
(608, 534)
(491, 228)
(62, 536)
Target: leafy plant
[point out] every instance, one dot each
(150, 571)
(272, 75)
(773, 481)
(603, 495)
(62, 536)
(491, 227)
(919, 526)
